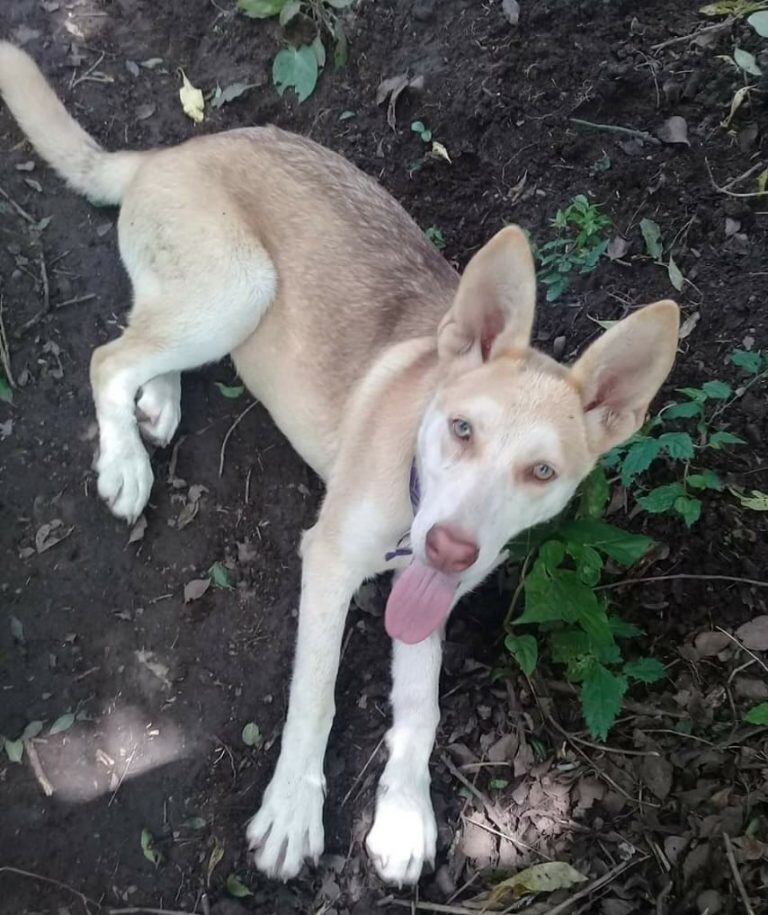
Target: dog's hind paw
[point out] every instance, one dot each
(288, 829)
(404, 833)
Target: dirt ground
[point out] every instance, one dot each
(97, 626)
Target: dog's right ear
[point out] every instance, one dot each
(494, 304)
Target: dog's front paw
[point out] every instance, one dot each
(158, 409)
(288, 829)
(404, 833)
(125, 480)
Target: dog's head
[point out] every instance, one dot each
(510, 433)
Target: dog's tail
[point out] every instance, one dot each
(101, 176)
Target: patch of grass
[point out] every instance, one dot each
(581, 241)
(299, 65)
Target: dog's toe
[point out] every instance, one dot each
(125, 481)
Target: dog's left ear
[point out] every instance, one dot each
(621, 372)
(495, 301)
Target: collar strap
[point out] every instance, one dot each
(414, 491)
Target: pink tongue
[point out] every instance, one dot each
(419, 602)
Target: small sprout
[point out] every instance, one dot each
(235, 887)
(148, 847)
(252, 736)
(424, 134)
(757, 715)
(220, 576)
(62, 723)
(232, 393)
(436, 236)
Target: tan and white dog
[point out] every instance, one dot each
(383, 367)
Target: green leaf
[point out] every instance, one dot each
(6, 394)
(148, 847)
(756, 500)
(563, 596)
(220, 576)
(717, 390)
(318, 49)
(675, 275)
(32, 730)
(595, 493)
(297, 69)
(696, 394)
(689, 509)
(681, 411)
(639, 457)
(707, 479)
(62, 723)
(758, 714)
(551, 554)
(341, 51)
(346, 115)
(594, 621)
(759, 22)
(601, 696)
(652, 237)
(622, 629)
(746, 62)
(718, 439)
(662, 498)
(622, 546)
(230, 392)
(498, 784)
(252, 736)
(14, 750)
(290, 9)
(260, 9)
(646, 670)
(750, 362)
(678, 445)
(525, 650)
(436, 236)
(568, 644)
(235, 887)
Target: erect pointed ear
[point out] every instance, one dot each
(494, 303)
(620, 373)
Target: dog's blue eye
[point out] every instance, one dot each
(461, 429)
(543, 472)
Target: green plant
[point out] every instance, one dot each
(435, 235)
(422, 131)
(582, 240)
(654, 247)
(561, 567)
(298, 67)
(680, 435)
(6, 394)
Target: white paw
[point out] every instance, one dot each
(404, 833)
(158, 410)
(125, 480)
(288, 827)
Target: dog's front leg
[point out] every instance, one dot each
(404, 833)
(289, 826)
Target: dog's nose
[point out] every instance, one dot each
(450, 549)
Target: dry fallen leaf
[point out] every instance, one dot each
(138, 530)
(656, 772)
(688, 326)
(709, 644)
(737, 101)
(674, 131)
(194, 590)
(191, 100)
(754, 634)
(392, 88)
(440, 152)
(49, 535)
(541, 878)
(617, 248)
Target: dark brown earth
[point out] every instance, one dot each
(162, 689)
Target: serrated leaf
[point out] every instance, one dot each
(540, 878)
(32, 730)
(645, 670)
(601, 696)
(758, 714)
(749, 361)
(678, 445)
(746, 62)
(689, 509)
(148, 847)
(675, 274)
(707, 479)
(232, 392)
(14, 750)
(561, 597)
(718, 439)
(552, 554)
(260, 9)
(295, 68)
(622, 546)
(595, 493)
(681, 411)
(717, 390)
(638, 458)
(251, 735)
(525, 650)
(62, 723)
(220, 576)
(235, 887)
(191, 99)
(759, 22)
(652, 237)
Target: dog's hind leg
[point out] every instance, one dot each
(158, 408)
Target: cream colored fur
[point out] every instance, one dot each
(365, 346)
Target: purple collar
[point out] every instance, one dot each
(414, 491)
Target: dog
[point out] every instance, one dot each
(412, 392)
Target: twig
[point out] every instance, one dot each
(46, 307)
(736, 875)
(682, 575)
(64, 886)
(595, 885)
(122, 777)
(362, 772)
(5, 352)
(141, 910)
(84, 77)
(19, 209)
(613, 128)
(422, 906)
(231, 429)
(37, 768)
(743, 648)
(691, 35)
(726, 188)
(76, 300)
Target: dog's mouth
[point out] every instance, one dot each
(419, 603)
